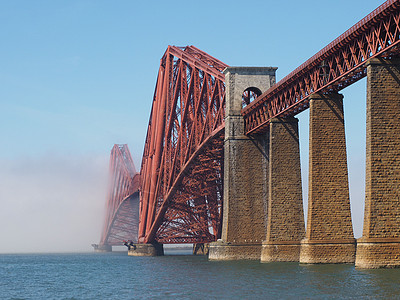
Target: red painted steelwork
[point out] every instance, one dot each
(122, 208)
(182, 165)
(335, 67)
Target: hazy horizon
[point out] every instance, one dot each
(79, 76)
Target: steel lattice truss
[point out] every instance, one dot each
(182, 165)
(122, 207)
(335, 67)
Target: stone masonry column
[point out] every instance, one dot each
(245, 172)
(380, 244)
(154, 249)
(285, 224)
(329, 232)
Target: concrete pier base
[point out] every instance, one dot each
(146, 250)
(284, 251)
(232, 251)
(328, 252)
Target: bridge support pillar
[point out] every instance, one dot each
(154, 249)
(380, 244)
(245, 172)
(102, 248)
(285, 224)
(329, 233)
(201, 248)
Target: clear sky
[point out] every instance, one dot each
(78, 76)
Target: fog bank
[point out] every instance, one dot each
(52, 204)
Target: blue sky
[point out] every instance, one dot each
(78, 76)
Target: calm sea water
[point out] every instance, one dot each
(118, 276)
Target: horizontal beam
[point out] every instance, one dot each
(335, 67)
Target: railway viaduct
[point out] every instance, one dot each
(221, 163)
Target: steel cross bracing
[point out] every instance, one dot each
(335, 67)
(122, 206)
(182, 165)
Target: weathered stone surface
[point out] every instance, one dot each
(245, 190)
(329, 233)
(285, 223)
(146, 250)
(245, 171)
(234, 251)
(378, 253)
(273, 251)
(327, 252)
(380, 244)
(201, 248)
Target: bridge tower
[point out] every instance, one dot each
(245, 170)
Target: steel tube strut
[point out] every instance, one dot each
(188, 109)
(181, 183)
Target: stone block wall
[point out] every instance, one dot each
(285, 222)
(329, 215)
(245, 190)
(380, 244)
(245, 172)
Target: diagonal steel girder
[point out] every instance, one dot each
(183, 148)
(122, 205)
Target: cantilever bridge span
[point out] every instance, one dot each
(122, 205)
(181, 183)
(182, 171)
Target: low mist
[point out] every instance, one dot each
(52, 203)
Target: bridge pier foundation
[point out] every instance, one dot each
(201, 248)
(245, 191)
(245, 171)
(380, 244)
(154, 249)
(102, 248)
(285, 224)
(329, 233)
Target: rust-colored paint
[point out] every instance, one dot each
(182, 164)
(121, 218)
(181, 174)
(335, 67)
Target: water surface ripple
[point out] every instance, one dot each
(118, 276)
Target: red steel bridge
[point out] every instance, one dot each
(181, 176)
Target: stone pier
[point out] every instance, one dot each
(380, 243)
(285, 223)
(154, 249)
(200, 248)
(102, 248)
(329, 232)
(245, 171)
